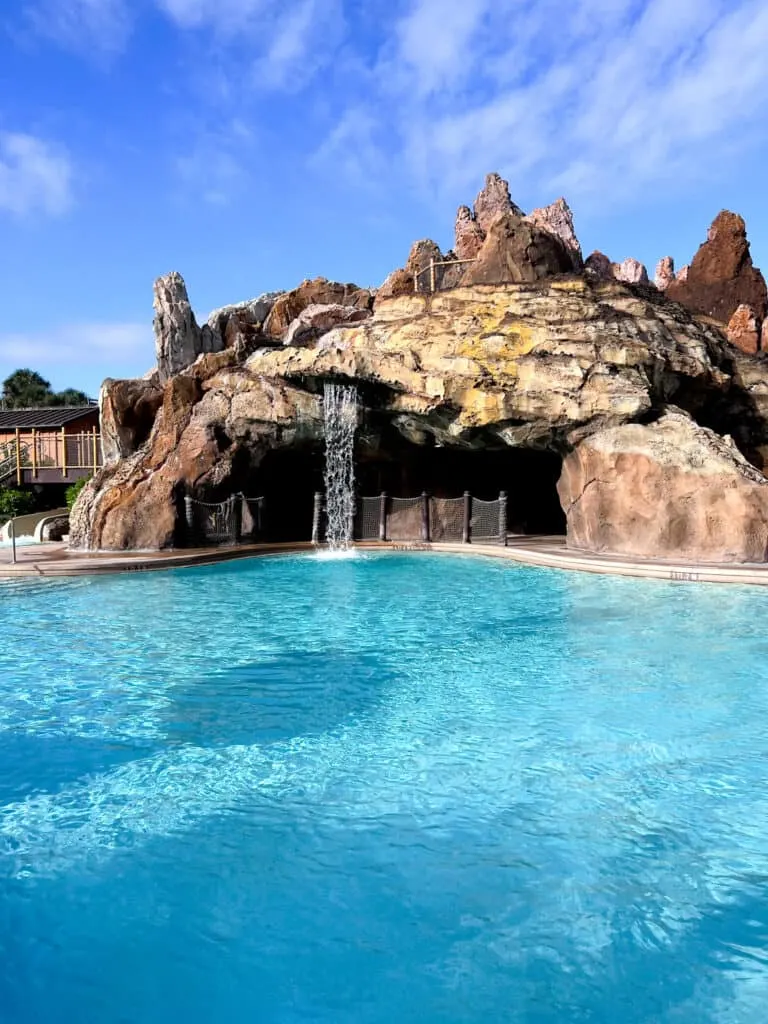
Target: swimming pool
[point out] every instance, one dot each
(392, 788)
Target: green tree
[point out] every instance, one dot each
(73, 491)
(70, 396)
(14, 503)
(26, 388)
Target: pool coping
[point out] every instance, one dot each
(547, 552)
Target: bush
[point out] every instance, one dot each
(72, 493)
(15, 503)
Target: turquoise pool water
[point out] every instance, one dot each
(397, 788)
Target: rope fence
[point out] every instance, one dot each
(425, 518)
(231, 521)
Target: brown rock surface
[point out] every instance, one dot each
(127, 410)
(598, 265)
(721, 276)
(469, 235)
(543, 364)
(631, 271)
(315, 321)
(743, 330)
(557, 219)
(319, 292)
(493, 199)
(665, 273)
(672, 489)
(516, 251)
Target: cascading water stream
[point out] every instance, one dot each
(340, 414)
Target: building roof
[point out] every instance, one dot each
(48, 418)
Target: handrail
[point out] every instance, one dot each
(9, 465)
(431, 268)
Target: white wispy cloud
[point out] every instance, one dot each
(96, 28)
(79, 345)
(595, 98)
(35, 176)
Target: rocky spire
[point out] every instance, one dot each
(178, 338)
(721, 277)
(598, 266)
(631, 271)
(557, 219)
(494, 198)
(665, 273)
(469, 235)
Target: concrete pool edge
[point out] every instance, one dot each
(545, 552)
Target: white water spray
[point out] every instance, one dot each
(340, 413)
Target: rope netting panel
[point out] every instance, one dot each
(213, 522)
(404, 518)
(485, 523)
(367, 518)
(446, 519)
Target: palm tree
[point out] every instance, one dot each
(26, 388)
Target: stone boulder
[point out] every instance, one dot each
(178, 338)
(721, 277)
(314, 321)
(598, 266)
(319, 292)
(557, 219)
(127, 410)
(743, 330)
(671, 489)
(516, 251)
(493, 199)
(665, 273)
(631, 271)
(241, 326)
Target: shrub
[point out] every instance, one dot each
(15, 503)
(72, 493)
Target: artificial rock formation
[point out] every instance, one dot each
(515, 250)
(665, 273)
(598, 266)
(671, 489)
(493, 199)
(468, 233)
(544, 364)
(557, 220)
(721, 277)
(314, 321)
(127, 410)
(631, 271)
(743, 329)
(178, 338)
(319, 292)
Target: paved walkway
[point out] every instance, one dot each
(43, 560)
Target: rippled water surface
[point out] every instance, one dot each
(384, 789)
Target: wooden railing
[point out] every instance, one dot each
(50, 456)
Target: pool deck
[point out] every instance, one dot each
(49, 560)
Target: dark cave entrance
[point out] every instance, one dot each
(289, 477)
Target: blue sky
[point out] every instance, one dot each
(252, 143)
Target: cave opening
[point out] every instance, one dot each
(289, 477)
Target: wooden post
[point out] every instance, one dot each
(503, 518)
(34, 454)
(95, 450)
(64, 451)
(425, 517)
(467, 517)
(416, 281)
(432, 275)
(18, 457)
(383, 516)
(316, 513)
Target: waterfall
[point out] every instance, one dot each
(340, 413)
